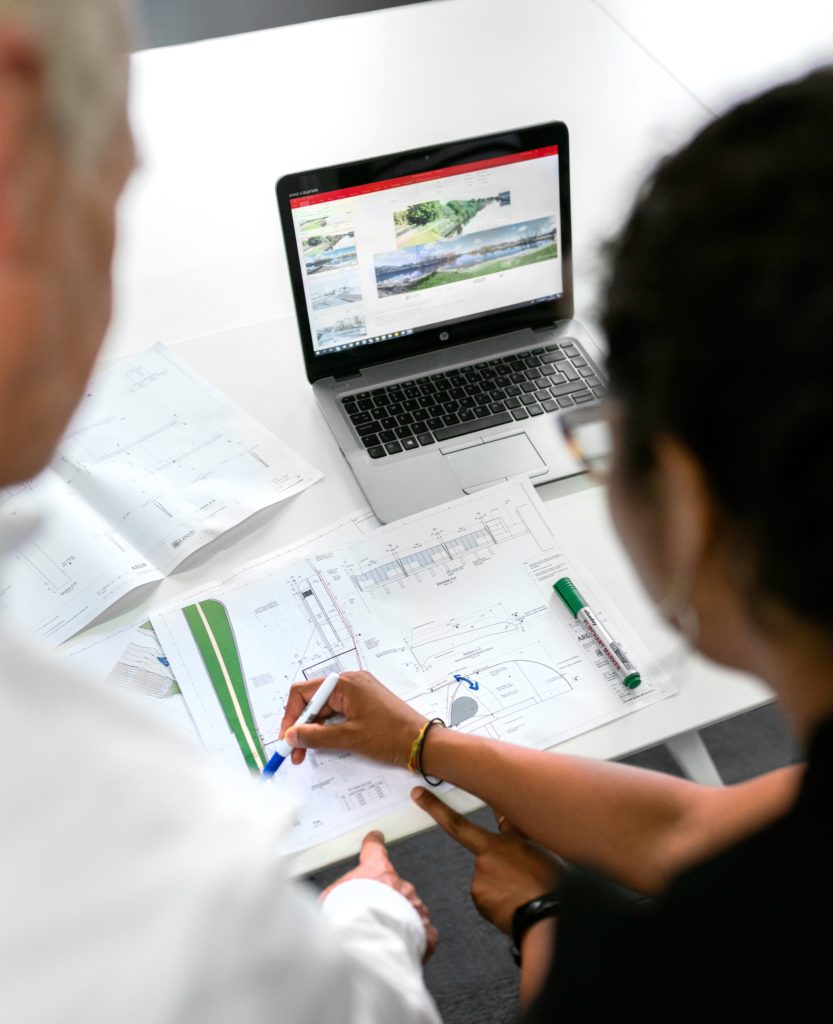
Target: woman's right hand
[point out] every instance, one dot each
(376, 723)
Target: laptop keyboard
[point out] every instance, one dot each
(440, 406)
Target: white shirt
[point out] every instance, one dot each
(139, 882)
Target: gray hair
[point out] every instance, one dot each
(86, 43)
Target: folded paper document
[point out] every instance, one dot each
(156, 463)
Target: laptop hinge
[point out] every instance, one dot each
(544, 328)
(348, 376)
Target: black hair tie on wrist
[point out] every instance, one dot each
(418, 759)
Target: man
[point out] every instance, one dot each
(136, 881)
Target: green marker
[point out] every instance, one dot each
(610, 648)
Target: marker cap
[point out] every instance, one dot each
(275, 761)
(566, 590)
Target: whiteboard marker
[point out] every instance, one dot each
(319, 699)
(610, 648)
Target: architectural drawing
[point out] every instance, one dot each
(445, 556)
(154, 465)
(451, 608)
(499, 689)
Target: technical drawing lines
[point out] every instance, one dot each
(498, 688)
(446, 557)
(435, 641)
(45, 568)
(324, 613)
(336, 643)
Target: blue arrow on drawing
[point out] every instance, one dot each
(473, 684)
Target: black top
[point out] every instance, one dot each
(745, 933)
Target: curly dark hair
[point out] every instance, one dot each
(718, 312)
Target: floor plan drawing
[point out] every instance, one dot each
(169, 460)
(452, 609)
(445, 556)
(498, 690)
(155, 464)
(45, 569)
(254, 639)
(430, 643)
(331, 632)
(71, 568)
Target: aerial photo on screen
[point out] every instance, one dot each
(329, 252)
(432, 221)
(325, 221)
(467, 256)
(335, 290)
(342, 331)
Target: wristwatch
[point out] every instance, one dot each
(528, 914)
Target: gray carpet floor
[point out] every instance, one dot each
(472, 975)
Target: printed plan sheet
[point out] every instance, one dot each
(130, 657)
(155, 464)
(452, 608)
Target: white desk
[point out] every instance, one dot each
(724, 52)
(217, 122)
(275, 397)
(201, 257)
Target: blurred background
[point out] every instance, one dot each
(164, 22)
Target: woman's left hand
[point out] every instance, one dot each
(508, 869)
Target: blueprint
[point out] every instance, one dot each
(155, 464)
(294, 629)
(452, 609)
(127, 654)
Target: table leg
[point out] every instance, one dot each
(693, 757)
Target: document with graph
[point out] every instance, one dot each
(452, 608)
(155, 464)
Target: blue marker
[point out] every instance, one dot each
(319, 699)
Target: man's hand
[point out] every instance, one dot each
(375, 864)
(376, 723)
(508, 869)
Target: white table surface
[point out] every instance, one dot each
(218, 121)
(723, 51)
(200, 260)
(578, 512)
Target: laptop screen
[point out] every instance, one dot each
(383, 260)
(428, 249)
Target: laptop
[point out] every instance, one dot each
(434, 300)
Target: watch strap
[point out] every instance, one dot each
(527, 914)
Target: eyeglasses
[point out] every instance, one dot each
(587, 431)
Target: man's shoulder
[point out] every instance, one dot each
(123, 839)
(51, 714)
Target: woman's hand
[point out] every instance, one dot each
(375, 865)
(376, 724)
(508, 869)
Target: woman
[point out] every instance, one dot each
(719, 318)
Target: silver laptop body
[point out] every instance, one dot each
(433, 292)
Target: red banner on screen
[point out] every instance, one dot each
(413, 179)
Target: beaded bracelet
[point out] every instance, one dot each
(415, 760)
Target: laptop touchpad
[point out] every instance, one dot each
(496, 460)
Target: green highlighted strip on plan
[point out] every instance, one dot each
(213, 634)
